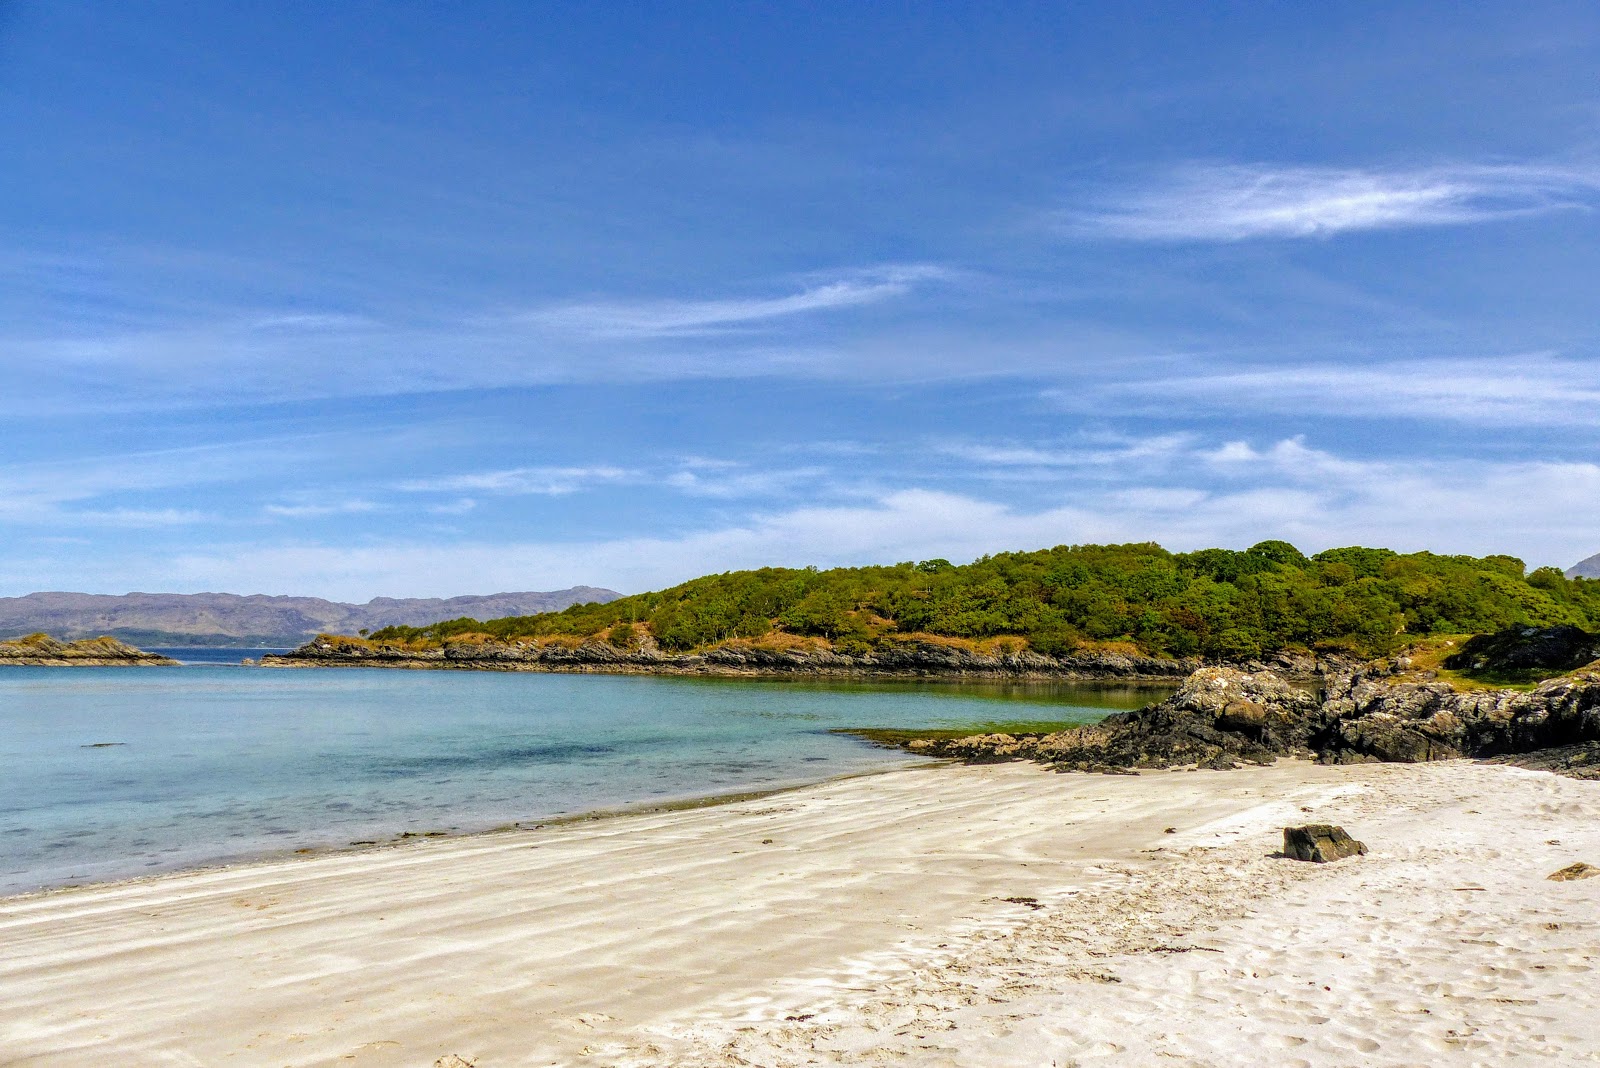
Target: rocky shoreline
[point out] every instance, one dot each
(1223, 717)
(911, 659)
(41, 650)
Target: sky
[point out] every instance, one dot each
(427, 299)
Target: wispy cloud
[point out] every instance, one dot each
(612, 319)
(1234, 203)
(726, 481)
(134, 518)
(1067, 456)
(1526, 390)
(313, 510)
(86, 490)
(517, 481)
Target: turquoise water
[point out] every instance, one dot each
(107, 773)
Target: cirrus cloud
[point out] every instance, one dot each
(616, 319)
(1238, 202)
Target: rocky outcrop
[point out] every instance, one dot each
(1378, 718)
(41, 650)
(910, 658)
(1222, 717)
(1561, 648)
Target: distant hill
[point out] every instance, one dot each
(1589, 568)
(228, 619)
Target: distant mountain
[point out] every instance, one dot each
(228, 619)
(1589, 568)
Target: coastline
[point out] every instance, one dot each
(737, 671)
(405, 839)
(87, 662)
(946, 914)
(921, 658)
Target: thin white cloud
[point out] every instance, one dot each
(1526, 390)
(689, 318)
(80, 490)
(1235, 203)
(726, 481)
(518, 481)
(1069, 456)
(133, 518)
(309, 510)
(313, 321)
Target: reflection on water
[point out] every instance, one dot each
(218, 763)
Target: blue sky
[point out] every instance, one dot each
(428, 299)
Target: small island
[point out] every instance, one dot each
(41, 650)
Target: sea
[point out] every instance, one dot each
(112, 773)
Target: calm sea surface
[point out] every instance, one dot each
(113, 772)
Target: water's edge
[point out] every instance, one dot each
(410, 840)
(110, 775)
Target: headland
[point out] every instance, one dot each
(41, 650)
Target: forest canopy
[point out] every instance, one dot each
(1217, 603)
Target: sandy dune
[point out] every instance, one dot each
(865, 922)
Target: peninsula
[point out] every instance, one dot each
(41, 650)
(1090, 611)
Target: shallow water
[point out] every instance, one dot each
(113, 772)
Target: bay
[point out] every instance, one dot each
(107, 773)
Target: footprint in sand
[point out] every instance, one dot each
(1283, 1041)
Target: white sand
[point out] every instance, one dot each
(870, 930)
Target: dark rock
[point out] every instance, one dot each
(1561, 648)
(1320, 843)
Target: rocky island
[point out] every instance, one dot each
(41, 650)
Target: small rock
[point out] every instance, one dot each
(1320, 843)
(451, 1060)
(1579, 870)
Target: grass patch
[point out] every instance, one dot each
(1515, 679)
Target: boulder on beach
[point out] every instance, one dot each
(1320, 843)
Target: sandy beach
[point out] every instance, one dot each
(997, 915)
